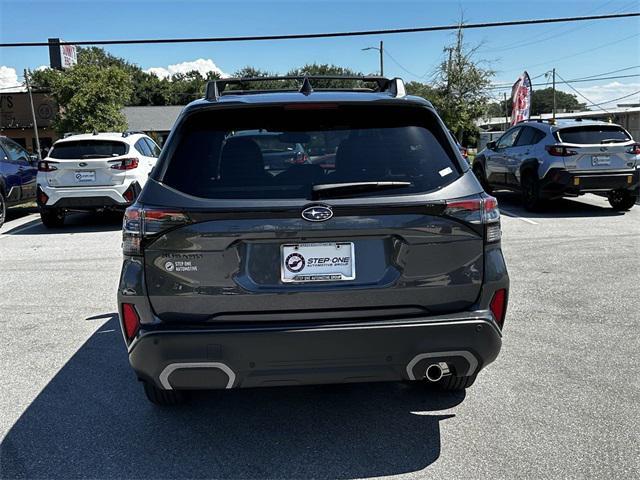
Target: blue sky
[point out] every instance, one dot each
(576, 50)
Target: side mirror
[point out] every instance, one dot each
(33, 160)
(491, 145)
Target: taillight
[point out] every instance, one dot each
(498, 306)
(130, 320)
(46, 166)
(634, 149)
(125, 164)
(139, 224)
(479, 210)
(560, 151)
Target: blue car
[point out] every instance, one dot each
(18, 171)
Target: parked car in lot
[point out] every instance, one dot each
(278, 153)
(92, 172)
(385, 267)
(17, 176)
(544, 161)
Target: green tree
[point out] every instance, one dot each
(541, 102)
(89, 97)
(462, 83)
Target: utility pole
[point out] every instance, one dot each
(506, 111)
(33, 113)
(381, 58)
(553, 117)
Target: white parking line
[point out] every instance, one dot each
(511, 214)
(23, 224)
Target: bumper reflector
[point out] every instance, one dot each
(499, 305)
(576, 181)
(130, 320)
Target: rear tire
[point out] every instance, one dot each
(481, 175)
(621, 200)
(530, 192)
(3, 208)
(452, 383)
(52, 217)
(163, 398)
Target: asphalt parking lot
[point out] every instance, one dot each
(561, 401)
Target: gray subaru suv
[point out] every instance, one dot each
(384, 265)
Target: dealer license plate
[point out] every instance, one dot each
(85, 176)
(318, 262)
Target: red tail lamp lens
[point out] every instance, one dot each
(130, 320)
(499, 305)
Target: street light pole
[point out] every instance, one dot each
(33, 113)
(381, 51)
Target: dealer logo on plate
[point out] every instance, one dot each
(294, 262)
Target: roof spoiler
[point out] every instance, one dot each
(394, 86)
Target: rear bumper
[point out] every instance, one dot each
(560, 181)
(89, 198)
(241, 357)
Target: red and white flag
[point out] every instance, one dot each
(521, 99)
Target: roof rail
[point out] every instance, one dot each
(393, 86)
(126, 133)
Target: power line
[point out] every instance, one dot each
(619, 98)
(609, 73)
(576, 80)
(524, 43)
(578, 92)
(298, 36)
(578, 53)
(386, 52)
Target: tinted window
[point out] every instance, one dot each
(87, 149)
(593, 134)
(14, 151)
(508, 138)
(142, 147)
(219, 156)
(529, 136)
(155, 149)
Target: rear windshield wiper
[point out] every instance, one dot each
(613, 140)
(327, 190)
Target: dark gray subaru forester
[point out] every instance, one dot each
(373, 254)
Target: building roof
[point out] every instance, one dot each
(584, 114)
(152, 118)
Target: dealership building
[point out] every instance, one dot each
(16, 121)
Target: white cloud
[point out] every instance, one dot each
(201, 65)
(610, 91)
(9, 80)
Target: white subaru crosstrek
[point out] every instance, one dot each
(93, 172)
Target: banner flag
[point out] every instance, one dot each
(521, 99)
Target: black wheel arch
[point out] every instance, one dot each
(530, 165)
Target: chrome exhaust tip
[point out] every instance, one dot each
(436, 371)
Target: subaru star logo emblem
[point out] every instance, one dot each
(317, 213)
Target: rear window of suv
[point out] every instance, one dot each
(593, 134)
(87, 149)
(216, 154)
